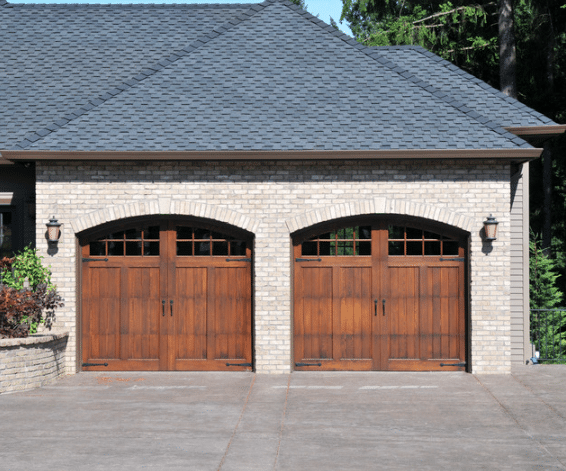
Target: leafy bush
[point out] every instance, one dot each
(20, 309)
(26, 264)
(23, 308)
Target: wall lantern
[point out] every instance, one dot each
(53, 231)
(490, 227)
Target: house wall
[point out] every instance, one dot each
(520, 345)
(274, 199)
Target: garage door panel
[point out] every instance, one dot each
(190, 308)
(142, 303)
(102, 304)
(355, 312)
(445, 304)
(402, 312)
(315, 316)
(230, 316)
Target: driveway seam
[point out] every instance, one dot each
(538, 397)
(282, 423)
(237, 424)
(508, 412)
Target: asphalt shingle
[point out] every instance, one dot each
(212, 77)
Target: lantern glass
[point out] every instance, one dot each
(53, 230)
(490, 226)
(53, 234)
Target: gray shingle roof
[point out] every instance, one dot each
(261, 77)
(54, 58)
(464, 87)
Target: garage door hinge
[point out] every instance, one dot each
(95, 259)
(238, 364)
(308, 260)
(458, 259)
(238, 259)
(308, 364)
(95, 364)
(463, 363)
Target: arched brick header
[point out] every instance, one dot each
(164, 206)
(382, 205)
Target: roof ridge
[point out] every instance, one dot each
(141, 75)
(484, 85)
(373, 53)
(131, 5)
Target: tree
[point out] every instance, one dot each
(507, 49)
(468, 35)
(544, 293)
(548, 322)
(300, 3)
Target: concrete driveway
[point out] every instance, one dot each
(302, 421)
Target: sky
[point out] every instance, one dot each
(324, 8)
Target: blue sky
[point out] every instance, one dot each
(324, 8)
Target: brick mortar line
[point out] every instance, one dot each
(512, 416)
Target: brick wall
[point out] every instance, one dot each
(274, 199)
(31, 362)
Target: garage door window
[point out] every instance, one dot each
(347, 241)
(198, 242)
(130, 243)
(417, 242)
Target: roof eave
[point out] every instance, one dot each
(513, 154)
(537, 135)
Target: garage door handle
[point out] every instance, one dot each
(163, 308)
(375, 311)
(384, 307)
(171, 305)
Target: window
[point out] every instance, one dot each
(194, 241)
(6, 232)
(410, 241)
(348, 241)
(129, 243)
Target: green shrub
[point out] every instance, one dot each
(23, 308)
(26, 264)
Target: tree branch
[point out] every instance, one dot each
(454, 10)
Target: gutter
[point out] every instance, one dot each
(517, 155)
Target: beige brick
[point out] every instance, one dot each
(273, 200)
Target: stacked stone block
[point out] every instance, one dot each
(31, 362)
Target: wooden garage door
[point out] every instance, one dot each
(380, 295)
(166, 295)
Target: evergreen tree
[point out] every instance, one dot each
(544, 293)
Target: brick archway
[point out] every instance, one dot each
(164, 206)
(382, 205)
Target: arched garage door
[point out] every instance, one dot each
(377, 294)
(166, 295)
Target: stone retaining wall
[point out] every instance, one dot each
(31, 362)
